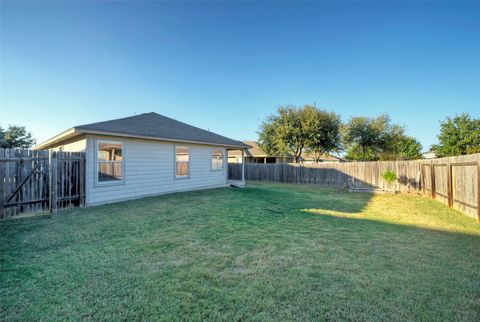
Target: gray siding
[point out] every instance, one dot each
(149, 170)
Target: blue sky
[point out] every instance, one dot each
(226, 66)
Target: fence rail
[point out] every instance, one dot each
(454, 181)
(32, 181)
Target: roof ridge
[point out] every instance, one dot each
(116, 119)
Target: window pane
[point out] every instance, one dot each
(109, 151)
(217, 159)
(182, 169)
(109, 171)
(182, 158)
(181, 153)
(110, 160)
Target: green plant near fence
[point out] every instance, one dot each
(389, 176)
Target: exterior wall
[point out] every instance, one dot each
(149, 170)
(77, 144)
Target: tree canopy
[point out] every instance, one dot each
(458, 135)
(293, 130)
(376, 138)
(364, 137)
(324, 131)
(16, 137)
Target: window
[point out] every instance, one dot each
(110, 161)
(182, 159)
(217, 159)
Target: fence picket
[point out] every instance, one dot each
(32, 181)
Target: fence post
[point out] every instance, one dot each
(49, 183)
(81, 173)
(432, 172)
(243, 166)
(478, 191)
(52, 157)
(3, 179)
(449, 185)
(420, 177)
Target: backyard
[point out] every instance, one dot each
(266, 252)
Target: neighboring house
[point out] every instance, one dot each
(429, 155)
(308, 158)
(147, 154)
(255, 154)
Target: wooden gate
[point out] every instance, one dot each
(33, 181)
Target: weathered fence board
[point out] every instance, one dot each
(32, 181)
(454, 181)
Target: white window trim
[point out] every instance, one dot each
(223, 160)
(175, 146)
(111, 182)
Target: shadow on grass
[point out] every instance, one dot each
(289, 196)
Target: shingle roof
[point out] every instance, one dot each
(158, 126)
(255, 150)
(149, 126)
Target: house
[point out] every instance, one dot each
(429, 155)
(255, 154)
(146, 154)
(309, 158)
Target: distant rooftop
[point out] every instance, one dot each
(257, 151)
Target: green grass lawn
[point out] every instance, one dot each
(267, 252)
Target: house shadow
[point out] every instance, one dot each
(407, 181)
(288, 197)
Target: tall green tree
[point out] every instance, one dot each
(16, 137)
(458, 135)
(365, 137)
(283, 133)
(292, 131)
(377, 138)
(408, 148)
(324, 132)
(399, 146)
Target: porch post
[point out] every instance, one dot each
(243, 166)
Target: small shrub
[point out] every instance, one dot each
(389, 176)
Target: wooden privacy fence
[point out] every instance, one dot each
(32, 181)
(454, 180)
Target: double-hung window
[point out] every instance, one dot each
(217, 159)
(182, 159)
(109, 161)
